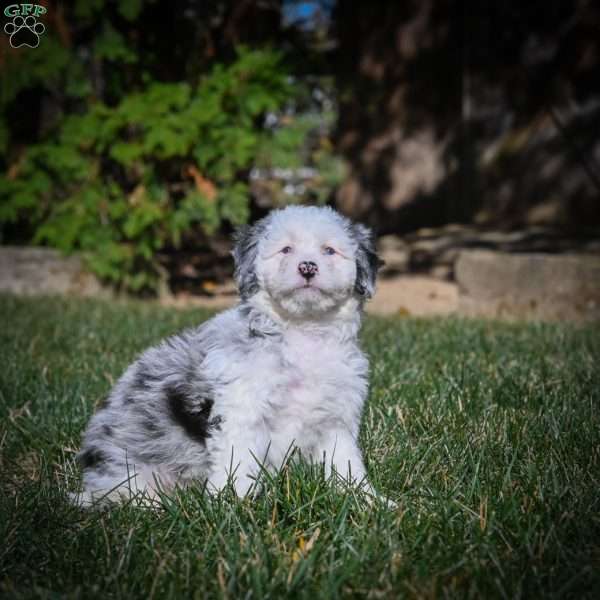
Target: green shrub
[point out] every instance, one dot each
(121, 182)
(125, 139)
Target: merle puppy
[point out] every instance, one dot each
(281, 369)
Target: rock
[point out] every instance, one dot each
(32, 271)
(529, 285)
(394, 251)
(413, 295)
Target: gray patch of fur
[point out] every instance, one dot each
(160, 412)
(244, 254)
(367, 261)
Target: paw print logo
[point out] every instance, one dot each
(24, 31)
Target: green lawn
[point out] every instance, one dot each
(486, 434)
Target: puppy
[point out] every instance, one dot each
(282, 369)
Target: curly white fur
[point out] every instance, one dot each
(281, 369)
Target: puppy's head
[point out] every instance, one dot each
(307, 260)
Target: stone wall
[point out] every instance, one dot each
(32, 271)
(529, 285)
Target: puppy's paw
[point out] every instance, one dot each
(83, 500)
(376, 499)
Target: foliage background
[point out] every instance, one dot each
(141, 132)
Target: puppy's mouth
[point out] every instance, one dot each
(307, 288)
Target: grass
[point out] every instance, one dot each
(486, 434)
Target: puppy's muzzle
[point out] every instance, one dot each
(308, 269)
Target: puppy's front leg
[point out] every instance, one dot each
(236, 457)
(340, 453)
(239, 473)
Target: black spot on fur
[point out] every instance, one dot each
(144, 379)
(151, 427)
(215, 422)
(193, 417)
(92, 458)
(107, 430)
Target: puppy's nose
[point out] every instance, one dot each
(308, 269)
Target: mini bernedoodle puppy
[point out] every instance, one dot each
(282, 369)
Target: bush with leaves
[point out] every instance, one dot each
(133, 133)
(119, 183)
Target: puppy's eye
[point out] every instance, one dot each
(286, 249)
(329, 250)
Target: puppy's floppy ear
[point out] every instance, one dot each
(244, 253)
(367, 261)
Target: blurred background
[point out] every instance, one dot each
(137, 134)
